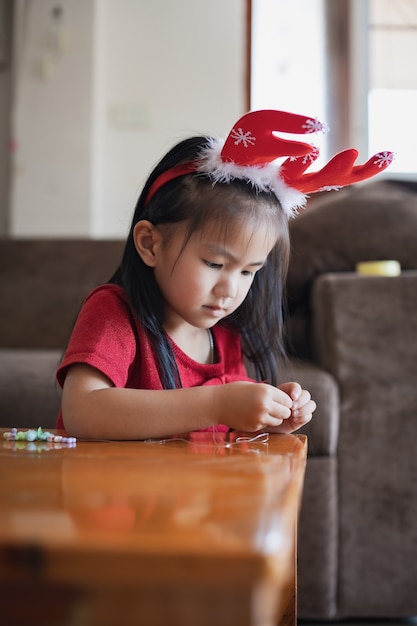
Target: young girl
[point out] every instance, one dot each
(160, 349)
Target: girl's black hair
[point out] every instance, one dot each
(195, 199)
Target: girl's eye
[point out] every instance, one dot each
(214, 266)
(248, 273)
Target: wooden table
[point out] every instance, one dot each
(194, 531)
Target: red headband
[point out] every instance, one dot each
(252, 148)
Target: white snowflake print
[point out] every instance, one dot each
(314, 126)
(383, 159)
(307, 158)
(330, 188)
(312, 156)
(241, 137)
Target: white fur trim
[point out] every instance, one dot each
(262, 178)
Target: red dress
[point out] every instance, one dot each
(107, 337)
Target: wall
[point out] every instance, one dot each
(5, 95)
(51, 190)
(289, 60)
(101, 90)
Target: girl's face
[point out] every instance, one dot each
(210, 277)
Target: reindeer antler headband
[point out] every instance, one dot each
(252, 148)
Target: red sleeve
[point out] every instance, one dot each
(103, 336)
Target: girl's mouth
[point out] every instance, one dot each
(215, 311)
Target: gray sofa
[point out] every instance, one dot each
(353, 344)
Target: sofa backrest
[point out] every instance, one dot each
(43, 283)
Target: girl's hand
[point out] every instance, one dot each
(250, 406)
(302, 408)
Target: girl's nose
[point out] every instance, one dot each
(226, 287)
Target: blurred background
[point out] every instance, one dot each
(93, 92)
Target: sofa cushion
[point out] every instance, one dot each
(376, 221)
(29, 394)
(45, 282)
(371, 222)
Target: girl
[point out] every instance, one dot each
(160, 349)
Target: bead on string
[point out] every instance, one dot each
(37, 435)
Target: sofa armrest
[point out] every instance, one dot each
(365, 330)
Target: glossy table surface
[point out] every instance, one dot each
(203, 511)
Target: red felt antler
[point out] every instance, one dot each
(339, 171)
(252, 142)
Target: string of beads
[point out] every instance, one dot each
(37, 435)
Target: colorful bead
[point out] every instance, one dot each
(32, 435)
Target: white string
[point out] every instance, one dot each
(261, 438)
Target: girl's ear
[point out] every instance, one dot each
(147, 240)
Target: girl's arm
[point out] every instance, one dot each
(93, 408)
